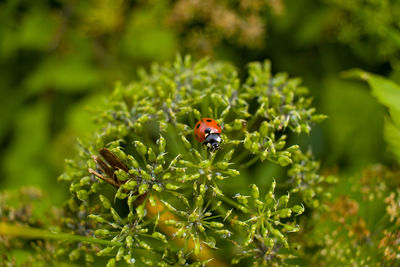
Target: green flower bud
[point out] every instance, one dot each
(166, 175)
(259, 204)
(255, 148)
(223, 233)
(105, 202)
(254, 191)
(84, 181)
(143, 189)
(216, 224)
(158, 169)
(197, 247)
(186, 143)
(157, 187)
(94, 187)
(117, 151)
(273, 185)
(152, 201)
(217, 191)
(264, 128)
(264, 155)
(203, 189)
(199, 201)
(97, 218)
(129, 241)
(144, 245)
(168, 206)
(248, 144)
(181, 232)
(159, 236)
(269, 198)
(196, 114)
(293, 148)
(145, 175)
(74, 255)
(161, 144)
(232, 172)
(120, 254)
(228, 213)
(82, 195)
(163, 126)
(228, 156)
(225, 112)
(280, 145)
(172, 187)
(291, 228)
(130, 185)
(131, 200)
(200, 227)
(284, 213)
(141, 211)
(115, 215)
(89, 258)
(242, 199)
(151, 155)
(283, 200)
(101, 232)
(222, 165)
(243, 209)
(173, 223)
(120, 193)
(105, 251)
(269, 242)
(122, 175)
(284, 160)
(140, 148)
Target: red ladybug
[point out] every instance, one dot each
(207, 131)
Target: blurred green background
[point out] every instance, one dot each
(59, 59)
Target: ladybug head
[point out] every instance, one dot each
(213, 141)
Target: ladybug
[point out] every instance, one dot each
(207, 131)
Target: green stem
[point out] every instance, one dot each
(30, 232)
(230, 202)
(250, 162)
(242, 156)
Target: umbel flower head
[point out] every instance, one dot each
(145, 183)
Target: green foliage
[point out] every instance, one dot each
(388, 93)
(371, 28)
(26, 206)
(361, 226)
(148, 152)
(59, 57)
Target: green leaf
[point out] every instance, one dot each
(388, 93)
(392, 137)
(385, 90)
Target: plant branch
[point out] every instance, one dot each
(33, 233)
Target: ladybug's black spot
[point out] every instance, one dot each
(218, 125)
(198, 125)
(209, 120)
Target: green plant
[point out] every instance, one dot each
(149, 190)
(361, 225)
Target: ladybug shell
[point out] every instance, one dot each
(204, 127)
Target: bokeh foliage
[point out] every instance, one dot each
(60, 59)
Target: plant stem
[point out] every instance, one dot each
(250, 162)
(230, 202)
(30, 232)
